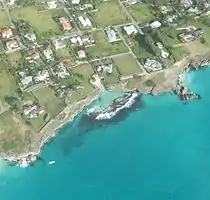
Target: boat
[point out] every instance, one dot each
(51, 162)
(122, 102)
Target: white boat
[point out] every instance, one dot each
(51, 162)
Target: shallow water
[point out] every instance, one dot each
(160, 151)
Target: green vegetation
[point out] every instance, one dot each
(4, 21)
(15, 59)
(127, 65)
(113, 77)
(42, 22)
(52, 104)
(109, 13)
(141, 12)
(103, 47)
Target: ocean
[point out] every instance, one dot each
(158, 151)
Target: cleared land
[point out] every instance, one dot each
(42, 22)
(127, 65)
(103, 47)
(4, 21)
(15, 59)
(83, 74)
(141, 12)
(109, 13)
(46, 98)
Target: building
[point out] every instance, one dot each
(6, 33)
(75, 2)
(105, 68)
(111, 34)
(12, 44)
(65, 23)
(59, 43)
(30, 36)
(81, 54)
(186, 3)
(190, 35)
(33, 110)
(48, 53)
(155, 24)
(51, 4)
(85, 21)
(33, 54)
(130, 30)
(42, 76)
(153, 64)
(60, 71)
(11, 2)
(25, 80)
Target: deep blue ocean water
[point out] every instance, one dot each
(161, 151)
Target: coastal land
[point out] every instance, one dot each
(50, 70)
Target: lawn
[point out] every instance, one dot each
(4, 21)
(7, 84)
(42, 22)
(46, 98)
(141, 12)
(127, 65)
(103, 47)
(109, 13)
(15, 59)
(113, 77)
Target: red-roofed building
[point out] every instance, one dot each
(81, 54)
(12, 44)
(6, 33)
(65, 23)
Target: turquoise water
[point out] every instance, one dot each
(161, 152)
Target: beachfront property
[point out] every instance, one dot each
(65, 23)
(59, 43)
(33, 110)
(190, 35)
(130, 30)
(48, 53)
(12, 45)
(103, 67)
(60, 71)
(152, 64)
(6, 33)
(42, 76)
(164, 52)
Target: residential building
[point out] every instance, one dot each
(186, 3)
(48, 53)
(75, 2)
(12, 44)
(105, 68)
(111, 34)
(85, 21)
(11, 2)
(51, 4)
(130, 30)
(42, 76)
(33, 54)
(155, 24)
(25, 79)
(6, 33)
(153, 64)
(81, 54)
(190, 35)
(65, 23)
(60, 71)
(59, 43)
(33, 110)
(30, 36)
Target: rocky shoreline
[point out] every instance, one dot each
(164, 81)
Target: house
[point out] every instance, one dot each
(59, 43)
(105, 68)
(130, 30)
(33, 54)
(85, 21)
(48, 53)
(33, 110)
(65, 23)
(51, 4)
(6, 33)
(155, 24)
(164, 52)
(42, 76)
(111, 34)
(12, 44)
(11, 2)
(87, 39)
(75, 2)
(25, 80)
(153, 64)
(186, 3)
(81, 54)
(131, 2)
(30, 36)
(190, 35)
(60, 71)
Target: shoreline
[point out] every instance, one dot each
(170, 81)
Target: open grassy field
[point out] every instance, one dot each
(7, 84)
(113, 77)
(83, 74)
(4, 21)
(14, 132)
(52, 104)
(103, 47)
(109, 13)
(127, 65)
(42, 22)
(141, 12)
(15, 59)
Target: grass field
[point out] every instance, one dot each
(7, 84)
(103, 47)
(113, 77)
(141, 12)
(109, 13)
(127, 65)
(4, 21)
(53, 105)
(85, 72)
(15, 59)
(42, 22)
